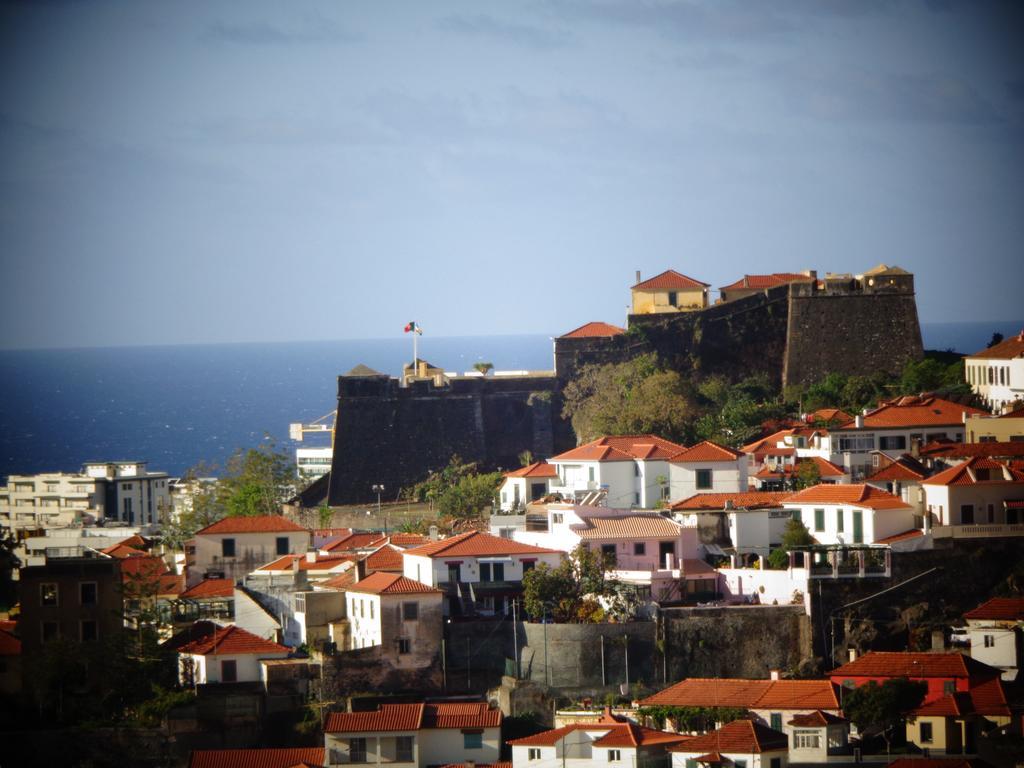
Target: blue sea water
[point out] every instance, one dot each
(177, 405)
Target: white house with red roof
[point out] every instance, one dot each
(980, 497)
(739, 743)
(626, 470)
(850, 514)
(996, 374)
(996, 629)
(414, 735)
(208, 653)
(894, 427)
(396, 612)
(610, 741)
(478, 572)
(670, 291)
(784, 476)
(901, 476)
(707, 467)
(234, 546)
(526, 484)
(748, 522)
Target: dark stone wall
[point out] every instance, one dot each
(396, 435)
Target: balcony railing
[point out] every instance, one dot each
(978, 531)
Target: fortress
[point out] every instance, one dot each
(796, 328)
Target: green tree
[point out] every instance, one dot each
(880, 708)
(256, 481)
(525, 458)
(570, 592)
(796, 535)
(9, 564)
(470, 495)
(483, 367)
(807, 474)
(997, 338)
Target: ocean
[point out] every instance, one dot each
(175, 406)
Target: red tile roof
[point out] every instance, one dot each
(669, 280)
(355, 541)
(1018, 414)
(760, 282)
(387, 558)
(816, 719)
(987, 698)
(837, 415)
(743, 737)
(858, 495)
(948, 450)
(476, 544)
(883, 664)
(706, 451)
(914, 411)
(210, 588)
(382, 583)
(999, 609)
(593, 330)
(968, 473)
(749, 694)
(413, 717)
(914, 533)
(1007, 349)
(121, 551)
(635, 526)
(769, 441)
(230, 640)
(622, 448)
(904, 468)
(740, 500)
(257, 758)
(9, 644)
(342, 581)
(171, 584)
(407, 539)
(537, 469)
(616, 735)
(257, 524)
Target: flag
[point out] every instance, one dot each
(413, 328)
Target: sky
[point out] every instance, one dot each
(191, 172)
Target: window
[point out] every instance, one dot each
(967, 514)
(990, 641)
(127, 507)
(527, 567)
(403, 749)
(404, 645)
(608, 552)
(453, 571)
(282, 545)
(797, 515)
(371, 608)
(48, 594)
(472, 739)
(948, 687)
(806, 740)
(740, 763)
(639, 548)
(87, 631)
(51, 630)
(703, 479)
(857, 444)
(776, 721)
(556, 518)
(636, 499)
(839, 521)
(673, 299)
(228, 671)
(926, 733)
(410, 611)
(357, 750)
(87, 593)
(533, 753)
(819, 520)
(636, 469)
(492, 571)
(126, 486)
(614, 755)
(590, 474)
(227, 548)
(892, 443)
(776, 762)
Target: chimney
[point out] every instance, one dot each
(852, 653)
(310, 555)
(938, 641)
(433, 533)
(774, 674)
(858, 421)
(637, 277)
(728, 504)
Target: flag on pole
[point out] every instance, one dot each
(413, 328)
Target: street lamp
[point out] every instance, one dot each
(379, 489)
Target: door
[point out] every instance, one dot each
(665, 548)
(858, 527)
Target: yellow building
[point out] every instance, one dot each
(668, 292)
(1008, 428)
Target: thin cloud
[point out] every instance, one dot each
(522, 35)
(316, 32)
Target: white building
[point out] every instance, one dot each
(526, 484)
(208, 653)
(706, 467)
(995, 629)
(235, 546)
(311, 463)
(741, 742)
(978, 492)
(132, 495)
(850, 514)
(752, 523)
(414, 735)
(996, 374)
(396, 612)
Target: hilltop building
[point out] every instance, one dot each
(751, 284)
(996, 374)
(668, 292)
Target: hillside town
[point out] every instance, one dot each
(830, 587)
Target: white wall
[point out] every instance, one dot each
(1002, 654)
(247, 666)
(434, 571)
(251, 617)
(364, 619)
(777, 585)
(877, 524)
(756, 530)
(951, 499)
(251, 551)
(726, 477)
(445, 745)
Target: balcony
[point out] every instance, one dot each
(996, 531)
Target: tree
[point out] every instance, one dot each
(9, 564)
(795, 535)
(483, 367)
(256, 481)
(997, 338)
(525, 458)
(471, 494)
(571, 591)
(807, 474)
(881, 708)
(921, 376)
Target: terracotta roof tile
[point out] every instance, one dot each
(622, 448)
(706, 451)
(740, 500)
(406, 540)
(257, 524)
(355, 541)
(593, 330)
(816, 719)
(627, 527)
(669, 280)
(837, 415)
(476, 544)
(904, 468)
(387, 558)
(760, 282)
(948, 450)
(915, 412)
(210, 588)
(257, 758)
(413, 717)
(913, 533)
(743, 737)
(122, 551)
(1007, 349)
(461, 715)
(616, 735)
(1017, 414)
(230, 639)
(537, 469)
(171, 584)
(342, 581)
(977, 470)
(382, 583)
(884, 664)
(999, 609)
(749, 694)
(987, 698)
(858, 495)
(769, 441)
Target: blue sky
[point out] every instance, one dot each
(221, 171)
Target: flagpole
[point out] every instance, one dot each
(415, 355)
